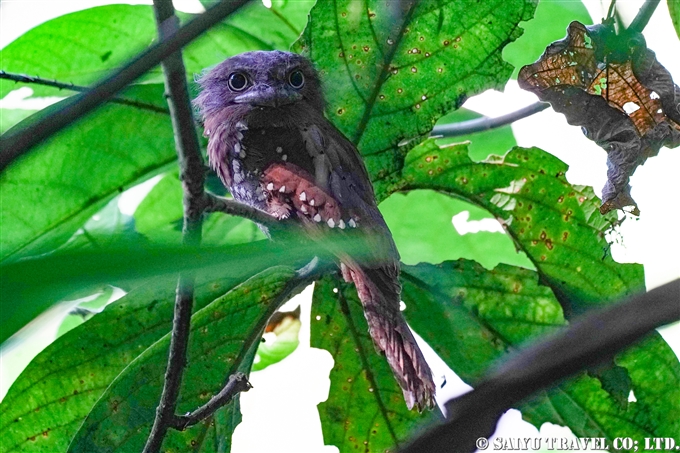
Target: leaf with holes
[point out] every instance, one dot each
(614, 88)
(224, 336)
(474, 318)
(556, 224)
(365, 410)
(390, 74)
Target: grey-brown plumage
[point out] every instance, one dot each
(273, 148)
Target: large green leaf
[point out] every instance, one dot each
(47, 403)
(30, 286)
(51, 192)
(225, 334)
(84, 46)
(388, 77)
(473, 318)
(589, 411)
(365, 410)
(556, 224)
(421, 220)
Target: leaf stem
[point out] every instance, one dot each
(22, 78)
(485, 123)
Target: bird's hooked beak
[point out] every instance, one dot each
(267, 96)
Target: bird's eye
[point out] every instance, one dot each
(296, 79)
(238, 81)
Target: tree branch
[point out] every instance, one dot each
(21, 78)
(233, 207)
(643, 16)
(485, 124)
(594, 339)
(192, 174)
(16, 144)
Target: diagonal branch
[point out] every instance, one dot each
(588, 342)
(192, 174)
(22, 78)
(17, 144)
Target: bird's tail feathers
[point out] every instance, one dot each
(380, 297)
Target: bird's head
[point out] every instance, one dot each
(260, 79)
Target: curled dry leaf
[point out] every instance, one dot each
(613, 86)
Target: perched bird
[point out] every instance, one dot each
(271, 145)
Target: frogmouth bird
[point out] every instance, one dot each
(271, 145)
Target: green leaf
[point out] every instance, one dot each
(78, 48)
(84, 46)
(548, 25)
(473, 318)
(385, 90)
(420, 222)
(35, 284)
(159, 218)
(224, 337)
(556, 224)
(46, 405)
(590, 411)
(365, 410)
(253, 27)
(674, 11)
(51, 192)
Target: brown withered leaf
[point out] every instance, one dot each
(613, 86)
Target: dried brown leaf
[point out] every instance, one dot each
(613, 86)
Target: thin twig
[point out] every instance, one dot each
(484, 124)
(236, 384)
(643, 16)
(594, 339)
(15, 145)
(22, 78)
(192, 174)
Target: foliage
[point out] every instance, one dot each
(389, 76)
